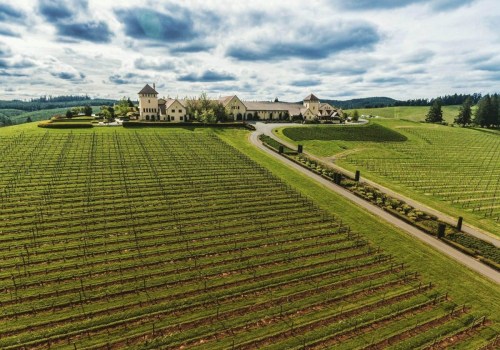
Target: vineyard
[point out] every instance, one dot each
(460, 167)
(174, 239)
(454, 170)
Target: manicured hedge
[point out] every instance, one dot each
(183, 125)
(369, 132)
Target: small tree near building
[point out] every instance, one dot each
(355, 116)
(69, 114)
(435, 114)
(87, 110)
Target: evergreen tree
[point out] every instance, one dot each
(464, 116)
(435, 114)
(69, 113)
(484, 113)
(28, 120)
(495, 106)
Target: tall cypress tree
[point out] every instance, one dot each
(435, 114)
(464, 116)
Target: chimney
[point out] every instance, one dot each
(154, 87)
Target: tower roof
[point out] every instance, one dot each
(148, 90)
(311, 97)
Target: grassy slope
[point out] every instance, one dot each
(464, 285)
(413, 113)
(329, 148)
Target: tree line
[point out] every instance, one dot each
(446, 100)
(487, 113)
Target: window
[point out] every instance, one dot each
(173, 118)
(149, 101)
(182, 118)
(173, 110)
(180, 110)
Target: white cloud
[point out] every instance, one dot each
(258, 49)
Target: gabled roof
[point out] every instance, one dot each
(171, 101)
(148, 90)
(311, 97)
(226, 99)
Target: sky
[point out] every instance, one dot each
(257, 49)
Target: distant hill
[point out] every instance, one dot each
(367, 102)
(40, 104)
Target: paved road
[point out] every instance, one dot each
(267, 129)
(434, 242)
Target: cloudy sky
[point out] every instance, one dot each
(258, 49)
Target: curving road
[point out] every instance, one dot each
(462, 258)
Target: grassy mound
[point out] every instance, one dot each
(370, 132)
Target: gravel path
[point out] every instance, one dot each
(464, 259)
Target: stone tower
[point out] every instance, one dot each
(148, 103)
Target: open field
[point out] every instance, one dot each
(18, 116)
(454, 170)
(412, 113)
(174, 238)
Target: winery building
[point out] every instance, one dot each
(152, 108)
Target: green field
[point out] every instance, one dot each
(171, 238)
(18, 116)
(453, 169)
(411, 113)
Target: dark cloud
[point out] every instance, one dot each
(19, 64)
(127, 78)
(97, 32)
(390, 80)
(69, 75)
(8, 32)
(143, 23)
(10, 14)
(62, 14)
(191, 47)
(306, 82)
(164, 64)
(390, 4)
(55, 10)
(488, 66)
(5, 73)
(207, 76)
(317, 43)
(5, 51)
(419, 57)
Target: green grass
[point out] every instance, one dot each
(453, 169)
(18, 116)
(111, 235)
(412, 113)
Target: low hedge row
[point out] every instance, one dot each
(62, 125)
